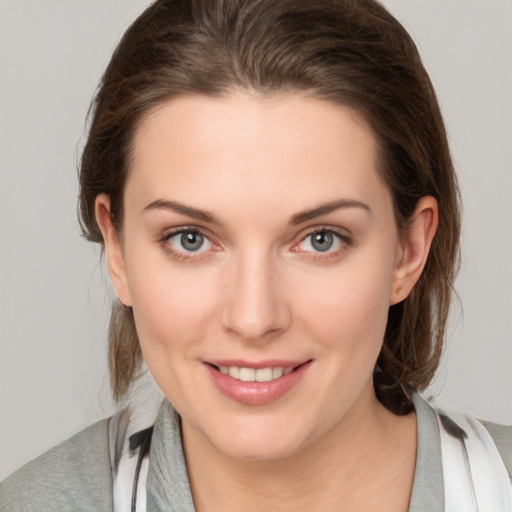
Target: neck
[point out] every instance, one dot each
(362, 463)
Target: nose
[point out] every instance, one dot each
(256, 308)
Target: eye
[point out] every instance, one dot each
(189, 240)
(186, 242)
(322, 241)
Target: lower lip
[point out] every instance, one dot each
(256, 393)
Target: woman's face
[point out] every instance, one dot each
(259, 244)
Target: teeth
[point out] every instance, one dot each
(264, 375)
(234, 371)
(253, 375)
(277, 372)
(247, 374)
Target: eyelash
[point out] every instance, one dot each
(343, 240)
(184, 255)
(177, 255)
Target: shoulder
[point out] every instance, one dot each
(75, 475)
(502, 437)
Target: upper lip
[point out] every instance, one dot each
(269, 363)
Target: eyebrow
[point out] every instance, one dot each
(298, 218)
(189, 211)
(324, 209)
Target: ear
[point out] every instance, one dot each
(415, 246)
(113, 248)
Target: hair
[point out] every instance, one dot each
(347, 52)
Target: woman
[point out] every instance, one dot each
(272, 185)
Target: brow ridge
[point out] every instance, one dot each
(324, 209)
(177, 207)
(298, 218)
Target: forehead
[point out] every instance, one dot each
(249, 148)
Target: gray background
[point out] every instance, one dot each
(53, 304)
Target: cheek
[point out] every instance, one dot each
(172, 308)
(349, 307)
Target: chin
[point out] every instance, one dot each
(259, 439)
(262, 449)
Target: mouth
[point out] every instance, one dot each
(246, 374)
(256, 383)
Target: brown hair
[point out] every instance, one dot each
(349, 52)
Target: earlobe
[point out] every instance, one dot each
(113, 249)
(415, 246)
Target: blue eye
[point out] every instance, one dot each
(188, 240)
(323, 241)
(191, 241)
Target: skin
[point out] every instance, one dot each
(258, 289)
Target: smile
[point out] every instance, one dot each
(255, 375)
(249, 385)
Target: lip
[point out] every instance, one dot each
(285, 363)
(256, 393)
